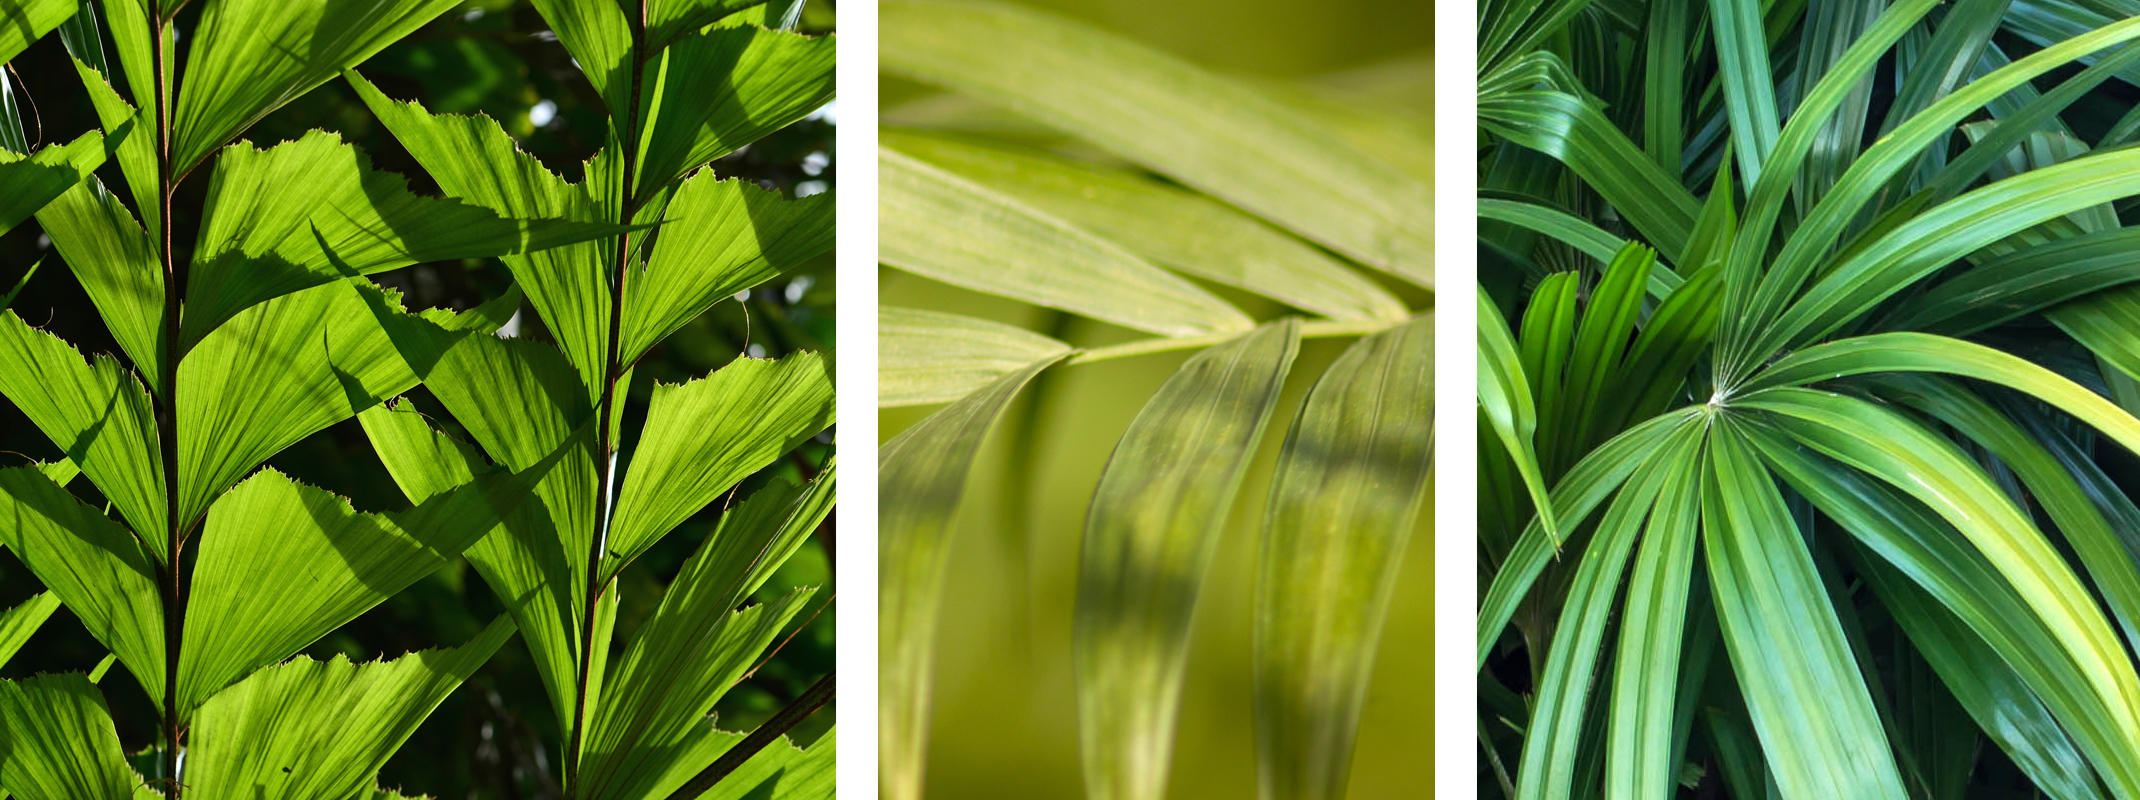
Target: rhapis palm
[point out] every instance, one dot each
(1811, 390)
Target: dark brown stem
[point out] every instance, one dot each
(605, 410)
(811, 700)
(174, 595)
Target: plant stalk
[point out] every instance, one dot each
(605, 410)
(785, 720)
(174, 597)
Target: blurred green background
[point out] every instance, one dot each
(495, 737)
(1005, 717)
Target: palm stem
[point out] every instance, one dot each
(605, 410)
(174, 598)
(1322, 328)
(783, 721)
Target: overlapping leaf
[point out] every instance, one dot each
(95, 412)
(319, 730)
(57, 741)
(249, 57)
(102, 574)
(932, 357)
(940, 226)
(703, 436)
(1211, 133)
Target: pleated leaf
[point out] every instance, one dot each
(1180, 230)
(1149, 537)
(696, 645)
(1211, 133)
(27, 183)
(16, 624)
(97, 569)
(313, 211)
(26, 21)
(937, 225)
(249, 57)
(703, 436)
(1810, 707)
(1349, 487)
(282, 564)
(599, 37)
(522, 561)
(710, 93)
(921, 475)
(928, 357)
(287, 368)
(719, 238)
(136, 154)
(782, 771)
(96, 413)
(319, 730)
(118, 266)
(473, 159)
(57, 742)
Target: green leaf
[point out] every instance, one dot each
(928, 357)
(1571, 130)
(1149, 537)
(28, 183)
(92, 565)
(524, 405)
(1578, 493)
(1180, 230)
(319, 730)
(1643, 709)
(766, 80)
(249, 57)
(96, 413)
(16, 624)
(283, 370)
(282, 564)
(1904, 455)
(473, 159)
(1942, 562)
(1213, 134)
(57, 741)
(940, 226)
(117, 264)
(696, 646)
(522, 561)
(313, 211)
(1350, 484)
(719, 237)
(1818, 728)
(921, 475)
(25, 21)
(782, 771)
(599, 37)
(1749, 88)
(703, 436)
(137, 154)
(1554, 733)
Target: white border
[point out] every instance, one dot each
(855, 370)
(1456, 418)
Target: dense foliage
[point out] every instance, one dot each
(1814, 322)
(282, 349)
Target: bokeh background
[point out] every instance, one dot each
(496, 737)
(1005, 717)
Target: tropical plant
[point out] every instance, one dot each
(282, 336)
(1769, 284)
(1270, 195)
(639, 728)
